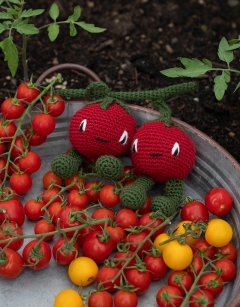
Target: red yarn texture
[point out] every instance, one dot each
(162, 152)
(95, 132)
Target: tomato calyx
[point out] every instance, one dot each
(202, 301)
(3, 258)
(68, 246)
(35, 255)
(154, 252)
(166, 296)
(104, 237)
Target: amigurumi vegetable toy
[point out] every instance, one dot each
(160, 152)
(104, 129)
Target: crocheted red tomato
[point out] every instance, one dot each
(95, 131)
(162, 152)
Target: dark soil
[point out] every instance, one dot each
(142, 38)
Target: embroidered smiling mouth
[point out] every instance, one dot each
(155, 155)
(101, 140)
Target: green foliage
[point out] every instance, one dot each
(194, 68)
(14, 18)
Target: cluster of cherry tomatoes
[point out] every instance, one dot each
(18, 143)
(76, 224)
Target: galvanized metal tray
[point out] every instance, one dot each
(214, 167)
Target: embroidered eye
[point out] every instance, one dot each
(124, 138)
(82, 126)
(134, 146)
(175, 149)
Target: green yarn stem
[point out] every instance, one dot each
(99, 90)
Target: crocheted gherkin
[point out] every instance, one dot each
(65, 166)
(76, 155)
(168, 206)
(134, 196)
(109, 167)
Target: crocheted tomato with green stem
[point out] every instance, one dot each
(163, 152)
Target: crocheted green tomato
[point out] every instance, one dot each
(95, 131)
(162, 152)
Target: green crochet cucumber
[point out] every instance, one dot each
(170, 203)
(66, 165)
(109, 167)
(134, 196)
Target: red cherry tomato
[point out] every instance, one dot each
(49, 178)
(75, 197)
(21, 183)
(201, 298)
(226, 269)
(33, 138)
(181, 280)
(126, 218)
(33, 209)
(169, 296)
(64, 251)
(211, 282)
(78, 180)
(43, 124)
(44, 226)
(133, 239)
(7, 130)
(218, 201)
(36, 255)
(96, 247)
(146, 207)
(55, 104)
(5, 233)
(106, 276)
(102, 213)
(53, 210)
(125, 299)
(156, 266)
(27, 91)
(227, 251)
(14, 264)
(194, 211)
(201, 246)
(92, 190)
(148, 219)
(117, 234)
(12, 108)
(120, 259)
(109, 195)
(48, 194)
(100, 299)
(14, 211)
(30, 162)
(20, 146)
(3, 167)
(141, 280)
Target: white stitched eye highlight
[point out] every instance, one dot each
(83, 124)
(175, 149)
(124, 138)
(135, 145)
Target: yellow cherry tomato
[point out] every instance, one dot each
(83, 271)
(68, 298)
(177, 256)
(183, 227)
(159, 239)
(218, 233)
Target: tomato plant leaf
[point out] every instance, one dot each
(53, 31)
(23, 27)
(237, 87)
(89, 27)
(73, 30)
(11, 54)
(76, 14)
(221, 85)
(224, 53)
(29, 13)
(4, 26)
(5, 15)
(54, 11)
(193, 68)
